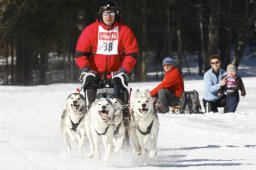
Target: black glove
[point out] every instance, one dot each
(122, 75)
(87, 77)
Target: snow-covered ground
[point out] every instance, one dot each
(30, 137)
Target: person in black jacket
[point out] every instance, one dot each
(233, 85)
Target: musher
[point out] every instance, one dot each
(107, 48)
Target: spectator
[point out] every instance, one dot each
(171, 88)
(213, 82)
(234, 83)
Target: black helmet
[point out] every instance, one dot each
(109, 5)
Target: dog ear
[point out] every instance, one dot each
(96, 100)
(69, 95)
(147, 93)
(137, 93)
(81, 96)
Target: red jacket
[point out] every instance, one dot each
(172, 81)
(106, 49)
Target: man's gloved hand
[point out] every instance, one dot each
(87, 77)
(122, 75)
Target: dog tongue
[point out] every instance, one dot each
(75, 106)
(104, 116)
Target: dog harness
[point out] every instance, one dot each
(75, 125)
(148, 129)
(104, 133)
(117, 129)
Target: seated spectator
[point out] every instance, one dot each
(171, 88)
(213, 82)
(234, 83)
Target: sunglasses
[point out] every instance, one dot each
(106, 13)
(217, 62)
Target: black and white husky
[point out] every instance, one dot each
(72, 121)
(144, 125)
(102, 126)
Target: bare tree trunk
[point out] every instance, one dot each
(12, 62)
(69, 78)
(202, 58)
(225, 35)
(180, 50)
(169, 30)
(141, 61)
(244, 35)
(238, 53)
(24, 59)
(213, 32)
(43, 66)
(6, 62)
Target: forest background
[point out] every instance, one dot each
(38, 37)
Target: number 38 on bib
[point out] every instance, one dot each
(107, 41)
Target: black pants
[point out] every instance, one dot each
(167, 99)
(215, 104)
(232, 101)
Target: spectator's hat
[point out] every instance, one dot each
(231, 68)
(167, 60)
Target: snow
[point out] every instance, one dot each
(30, 137)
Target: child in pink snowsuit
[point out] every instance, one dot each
(233, 85)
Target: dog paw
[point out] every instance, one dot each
(97, 157)
(144, 151)
(90, 155)
(137, 153)
(81, 153)
(107, 158)
(153, 154)
(117, 149)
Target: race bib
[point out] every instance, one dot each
(107, 41)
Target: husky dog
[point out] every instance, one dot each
(144, 124)
(72, 121)
(101, 123)
(119, 129)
